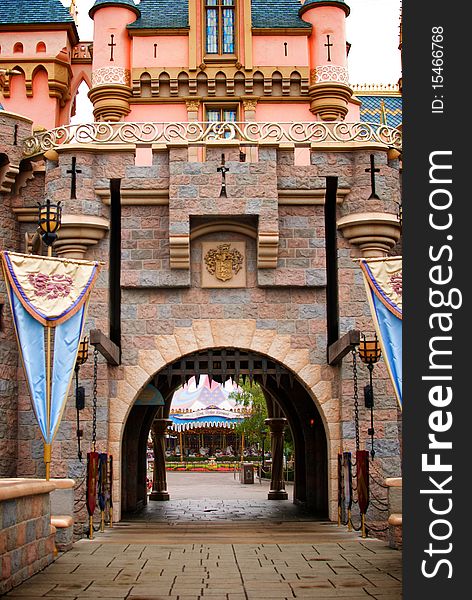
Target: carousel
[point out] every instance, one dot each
(203, 418)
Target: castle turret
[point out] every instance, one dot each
(37, 37)
(329, 89)
(111, 79)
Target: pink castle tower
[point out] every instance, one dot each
(111, 91)
(36, 44)
(329, 90)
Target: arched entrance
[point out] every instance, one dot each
(286, 395)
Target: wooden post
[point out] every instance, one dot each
(47, 446)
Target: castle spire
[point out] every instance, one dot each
(73, 10)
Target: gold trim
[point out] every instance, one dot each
(378, 111)
(282, 31)
(156, 31)
(193, 105)
(220, 59)
(233, 99)
(211, 71)
(247, 15)
(376, 89)
(192, 41)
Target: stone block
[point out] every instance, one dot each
(9, 513)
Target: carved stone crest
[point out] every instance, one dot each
(223, 261)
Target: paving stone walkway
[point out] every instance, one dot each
(187, 557)
(219, 497)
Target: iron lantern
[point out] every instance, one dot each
(82, 354)
(49, 221)
(370, 352)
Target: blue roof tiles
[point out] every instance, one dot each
(99, 3)
(277, 14)
(162, 14)
(22, 12)
(371, 109)
(312, 3)
(173, 14)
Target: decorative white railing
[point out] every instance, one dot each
(298, 133)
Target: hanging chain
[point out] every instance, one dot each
(94, 413)
(356, 396)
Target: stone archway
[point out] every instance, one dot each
(313, 380)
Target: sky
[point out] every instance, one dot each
(372, 30)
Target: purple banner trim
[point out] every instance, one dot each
(380, 290)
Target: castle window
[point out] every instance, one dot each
(220, 27)
(40, 47)
(222, 113)
(18, 47)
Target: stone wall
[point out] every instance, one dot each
(159, 304)
(10, 161)
(26, 535)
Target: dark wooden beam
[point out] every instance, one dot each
(114, 272)
(331, 246)
(343, 346)
(109, 350)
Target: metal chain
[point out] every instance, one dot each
(356, 396)
(94, 413)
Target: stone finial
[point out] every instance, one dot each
(77, 233)
(374, 233)
(250, 104)
(192, 105)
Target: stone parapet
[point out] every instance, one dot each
(395, 509)
(26, 534)
(321, 134)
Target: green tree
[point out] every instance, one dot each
(253, 426)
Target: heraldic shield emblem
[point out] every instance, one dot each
(223, 261)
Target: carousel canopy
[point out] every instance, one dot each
(206, 405)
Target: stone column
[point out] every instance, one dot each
(277, 484)
(250, 105)
(193, 106)
(159, 480)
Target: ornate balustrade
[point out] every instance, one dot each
(201, 133)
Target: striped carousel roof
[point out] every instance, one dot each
(207, 405)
